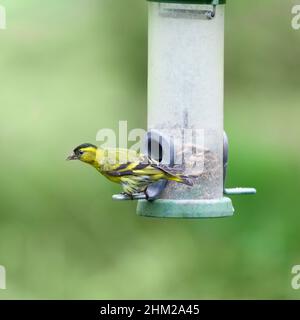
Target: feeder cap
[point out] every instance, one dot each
(213, 2)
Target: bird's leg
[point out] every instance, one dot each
(146, 195)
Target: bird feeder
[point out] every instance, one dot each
(185, 108)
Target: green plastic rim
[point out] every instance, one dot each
(213, 2)
(187, 209)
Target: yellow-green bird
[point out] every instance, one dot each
(133, 170)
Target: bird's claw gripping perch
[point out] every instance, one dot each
(123, 196)
(138, 196)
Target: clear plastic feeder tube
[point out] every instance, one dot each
(185, 91)
(185, 104)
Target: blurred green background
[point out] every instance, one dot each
(69, 68)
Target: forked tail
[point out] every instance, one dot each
(174, 174)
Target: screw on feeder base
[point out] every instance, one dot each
(174, 12)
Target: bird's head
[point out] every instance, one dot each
(85, 152)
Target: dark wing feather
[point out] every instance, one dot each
(118, 173)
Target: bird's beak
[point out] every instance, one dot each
(72, 157)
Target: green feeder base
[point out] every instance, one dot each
(162, 208)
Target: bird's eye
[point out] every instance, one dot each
(81, 152)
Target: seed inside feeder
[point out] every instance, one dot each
(207, 174)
